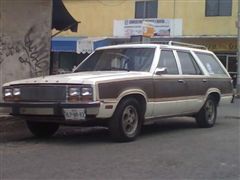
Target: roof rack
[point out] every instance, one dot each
(176, 43)
(160, 42)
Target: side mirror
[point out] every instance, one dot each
(74, 68)
(160, 71)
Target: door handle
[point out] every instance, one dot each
(204, 80)
(181, 81)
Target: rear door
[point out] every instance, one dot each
(195, 81)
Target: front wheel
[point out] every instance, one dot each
(206, 117)
(42, 129)
(125, 125)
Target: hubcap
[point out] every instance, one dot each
(210, 111)
(130, 120)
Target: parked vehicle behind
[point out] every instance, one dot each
(123, 87)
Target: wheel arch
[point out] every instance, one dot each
(139, 95)
(214, 93)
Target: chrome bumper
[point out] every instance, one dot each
(47, 108)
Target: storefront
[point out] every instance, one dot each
(68, 52)
(230, 62)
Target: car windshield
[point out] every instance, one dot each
(121, 59)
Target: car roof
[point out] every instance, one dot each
(161, 46)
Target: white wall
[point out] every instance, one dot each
(25, 36)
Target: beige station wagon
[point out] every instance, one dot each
(123, 87)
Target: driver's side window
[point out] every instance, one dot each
(120, 63)
(115, 63)
(167, 60)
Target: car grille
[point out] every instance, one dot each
(43, 93)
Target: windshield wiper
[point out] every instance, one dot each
(115, 69)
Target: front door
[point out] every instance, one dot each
(169, 87)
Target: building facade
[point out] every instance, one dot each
(207, 22)
(97, 16)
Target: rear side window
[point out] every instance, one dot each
(189, 66)
(211, 64)
(167, 59)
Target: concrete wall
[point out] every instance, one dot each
(97, 16)
(25, 33)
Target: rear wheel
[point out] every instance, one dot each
(125, 125)
(42, 129)
(206, 117)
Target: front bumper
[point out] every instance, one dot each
(48, 108)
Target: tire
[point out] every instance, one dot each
(42, 129)
(206, 117)
(126, 123)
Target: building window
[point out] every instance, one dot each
(146, 9)
(218, 8)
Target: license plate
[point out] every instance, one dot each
(74, 114)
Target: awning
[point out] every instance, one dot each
(61, 18)
(64, 44)
(78, 44)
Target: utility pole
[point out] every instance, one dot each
(238, 54)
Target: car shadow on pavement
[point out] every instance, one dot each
(169, 125)
(76, 135)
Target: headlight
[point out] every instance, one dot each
(74, 91)
(86, 94)
(16, 92)
(73, 94)
(76, 94)
(8, 94)
(11, 94)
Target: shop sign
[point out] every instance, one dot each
(222, 47)
(218, 45)
(149, 27)
(85, 46)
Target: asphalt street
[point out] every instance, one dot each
(173, 149)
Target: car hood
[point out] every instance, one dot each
(82, 78)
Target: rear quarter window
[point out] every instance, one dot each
(211, 64)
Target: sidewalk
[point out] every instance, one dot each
(11, 128)
(230, 110)
(6, 119)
